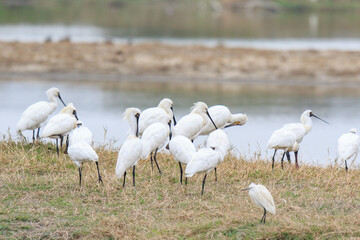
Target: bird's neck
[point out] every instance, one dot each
(307, 123)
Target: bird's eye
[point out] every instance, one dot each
(74, 112)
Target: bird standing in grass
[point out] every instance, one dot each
(81, 133)
(37, 113)
(348, 146)
(262, 198)
(190, 125)
(61, 124)
(162, 113)
(223, 118)
(131, 149)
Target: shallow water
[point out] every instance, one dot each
(101, 107)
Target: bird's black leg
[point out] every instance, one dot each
(100, 178)
(57, 147)
(67, 144)
(282, 161)
(38, 134)
(215, 175)
(80, 176)
(273, 159)
(203, 184)
(185, 180)
(181, 172)
(134, 175)
(346, 167)
(124, 179)
(34, 135)
(296, 159)
(61, 142)
(263, 219)
(151, 159)
(288, 156)
(156, 161)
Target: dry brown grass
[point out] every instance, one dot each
(41, 199)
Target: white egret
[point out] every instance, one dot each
(61, 124)
(223, 118)
(301, 129)
(262, 197)
(154, 138)
(81, 152)
(348, 146)
(190, 125)
(283, 139)
(182, 149)
(81, 133)
(131, 149)
(162, 113)
(37, 113)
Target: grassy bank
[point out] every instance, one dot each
(40, 198)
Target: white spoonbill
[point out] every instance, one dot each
(348, 146)
(81, 152)
(182, 149)
(283, 139)
(223, 118)
(301, 129)
(81, 133)
(131, 149)
(262, 197)
(61, 124)
(37, 113)
(190, 125)
(154, 138)
(162, 113)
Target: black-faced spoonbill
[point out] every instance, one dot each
(131, 149)
(190, 125)
(262, 198)
(223, 118)
(61, 124)
(37, 113)
(207, 159)
(162, 113)
(348, 146)
(301, 129)
(283, 139)
(154, 138)
(81, 152)
(81, 133)
(182, 149)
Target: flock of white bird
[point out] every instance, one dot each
(156, 128)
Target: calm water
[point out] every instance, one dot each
(101, 108)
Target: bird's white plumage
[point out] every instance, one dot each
(154, 137)
(283, 139)
(81, 152)
(37, 113)
(218, 139)
(300, 129)
(203, 161)
(182, 149)
(262, 197)
(62, 123)
(190, 125)
(222, 116)
(162, 113)
(81, 133)
(348, 145)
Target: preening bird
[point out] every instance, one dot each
(190, 125)
(283, 139)
(301, 129)
(223, 118)
(262, 197)
(132, 148)
(182, 149)
(162, 113)
(348, 146)
(154, 138)
(81, 152)
(61, 124)
(81, 133)
(207, 159)
(37, 113)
